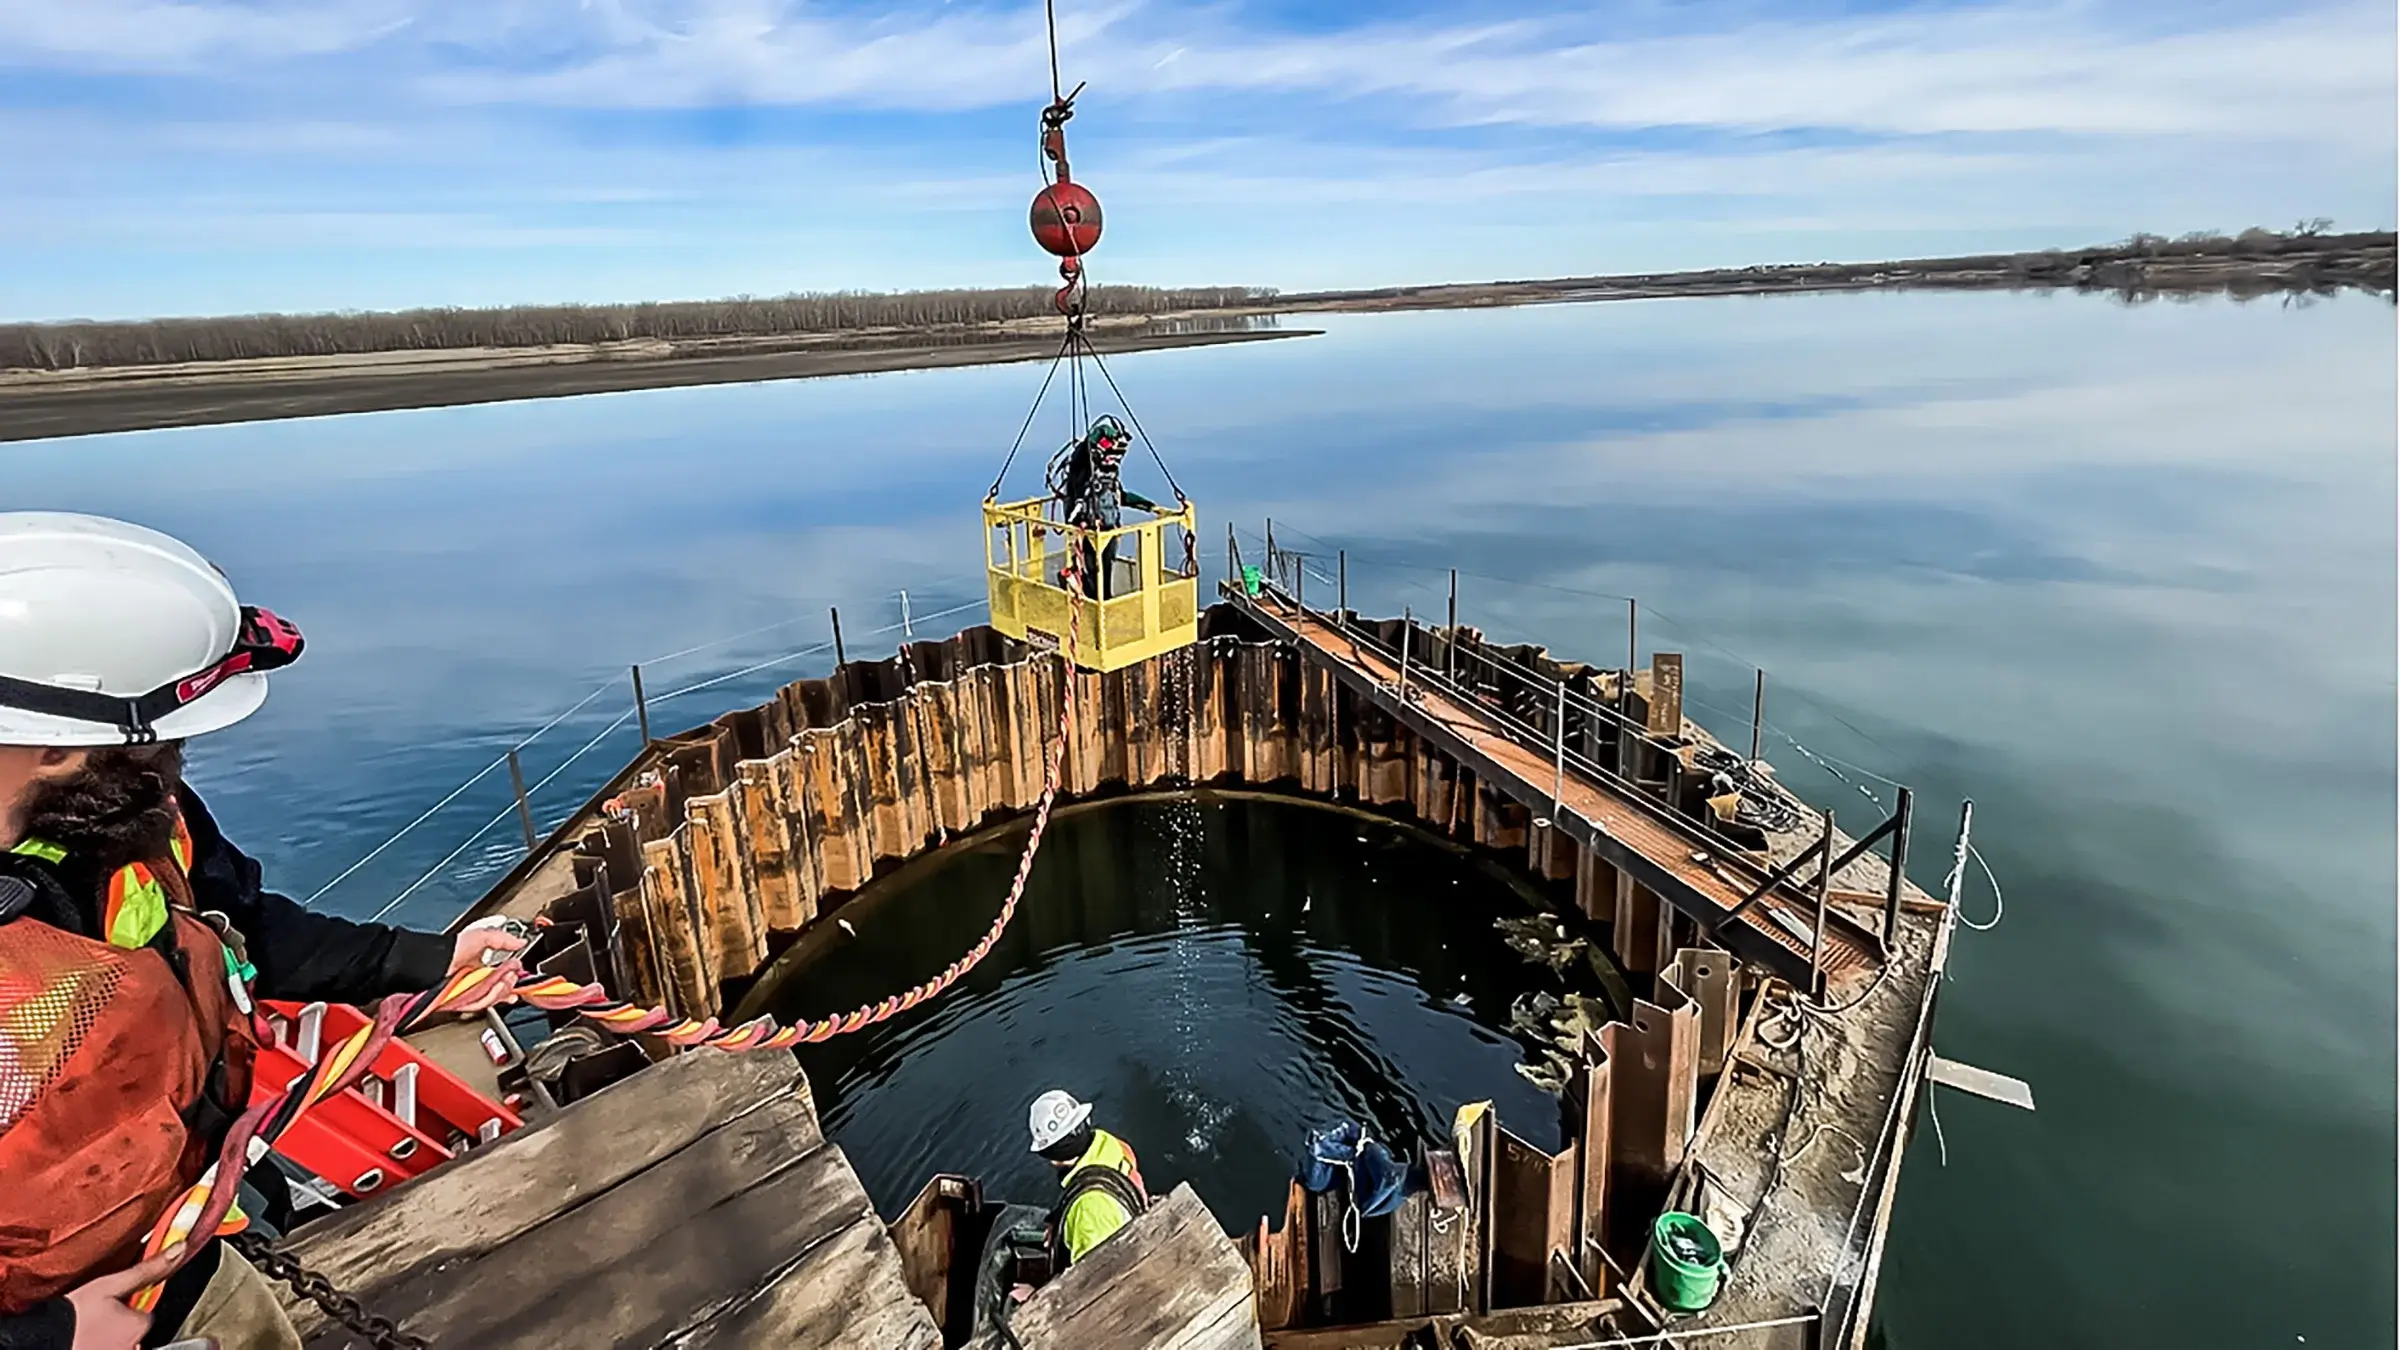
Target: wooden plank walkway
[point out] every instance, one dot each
(1689, 874)
(696, 1204)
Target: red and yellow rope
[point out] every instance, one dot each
(206, 1207)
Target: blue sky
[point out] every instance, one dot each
(196, 156)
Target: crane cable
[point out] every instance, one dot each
(1059, 198)
(1050, 17)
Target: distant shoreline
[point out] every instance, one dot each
(132, 396)
(40, 405)
(2144, 268)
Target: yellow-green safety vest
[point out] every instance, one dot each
(1095, 1215)
(135, 904)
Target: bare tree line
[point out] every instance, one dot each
(2255, 261)
(81, 344)
(2256, 239)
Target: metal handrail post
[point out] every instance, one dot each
(1625, 739)
(1407, 621)
(1758, 711)
(1899, 878)
(1558, 772)
(1450, 634)
(641, 706)
(516, 783)
(1958, 861)
(1816, 945)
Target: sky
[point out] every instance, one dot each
(216, 156)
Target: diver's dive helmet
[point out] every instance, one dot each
(1108, 440)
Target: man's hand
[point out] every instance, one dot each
(474, 942)
(102, 1321)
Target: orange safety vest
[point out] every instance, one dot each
(106, 1055)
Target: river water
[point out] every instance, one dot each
(2123, 575)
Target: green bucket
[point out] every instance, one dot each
(1685, 1261)
(1252, 579)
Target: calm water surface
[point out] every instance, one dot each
(2125, 576)
(1216, 975)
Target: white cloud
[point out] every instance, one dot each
(1984, 69)
(176, 35)
(2036, 69)
(1315, 174)
(434, 138)
(647, 54)
(2057, 66)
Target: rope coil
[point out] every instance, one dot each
(1765, 804)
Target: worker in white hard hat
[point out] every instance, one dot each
(1100, 1183)
(134, 938)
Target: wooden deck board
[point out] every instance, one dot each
(695, 1204)
(637, 1262)
(494, 1195)
(1170, 1281)
(847, 1293)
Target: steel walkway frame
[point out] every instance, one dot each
(1729, 896)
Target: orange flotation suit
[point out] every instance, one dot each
(122, 1063)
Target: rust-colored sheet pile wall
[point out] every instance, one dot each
(720, 844)
(723, 841)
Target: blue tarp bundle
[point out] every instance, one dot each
(1378, 1181)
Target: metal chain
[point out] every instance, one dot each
(343, 1308)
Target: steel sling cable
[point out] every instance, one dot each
(1134, 417)
(1030, 414)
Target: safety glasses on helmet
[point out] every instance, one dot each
(264, 642)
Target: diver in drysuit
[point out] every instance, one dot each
(1086, 477)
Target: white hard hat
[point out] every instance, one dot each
(112, 634)
(1056, 1115)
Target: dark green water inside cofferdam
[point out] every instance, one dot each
(1215, 974)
